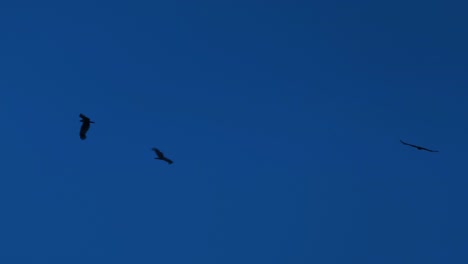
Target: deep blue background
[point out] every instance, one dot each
(283, 119)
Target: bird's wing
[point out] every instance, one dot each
(85, 118)
(430, 150)
(414, 146)
(158, 152)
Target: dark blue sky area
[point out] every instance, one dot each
(283, 119)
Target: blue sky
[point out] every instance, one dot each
(283, 119)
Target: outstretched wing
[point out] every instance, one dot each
(414, 146)
(430, 150)
(167, 160)
(85, 118)
(404, 143)
(158, 152)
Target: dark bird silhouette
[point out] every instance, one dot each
(418, 147)
(85, 126)
(161, 156)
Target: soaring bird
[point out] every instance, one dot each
(85, 126)
(161, 156)
(418, 147)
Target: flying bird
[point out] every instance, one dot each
(161, 156)
(418, 147)
(85, 126)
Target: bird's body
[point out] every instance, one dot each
(418, 147)
(85, 126)
(161, 156)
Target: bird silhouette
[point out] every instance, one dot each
(161, 156)
(85, 126)
(418, 147)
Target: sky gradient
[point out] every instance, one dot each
(283, 119)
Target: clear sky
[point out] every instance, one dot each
(283, 119)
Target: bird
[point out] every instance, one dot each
(418, 147)
(161, 156)
(85, 126)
